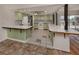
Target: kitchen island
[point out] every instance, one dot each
(18, 33)
(60, 37)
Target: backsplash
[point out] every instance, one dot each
(44, 21)
(18, 22)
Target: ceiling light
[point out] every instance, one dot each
(45, 11)
(35, 14)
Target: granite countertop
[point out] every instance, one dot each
(58, 29)
(17, 27)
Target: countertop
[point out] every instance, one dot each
(17, 27)
(58, 29)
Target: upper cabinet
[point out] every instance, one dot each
(23, 18)
(19, 16)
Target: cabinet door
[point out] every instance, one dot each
(21, 35)
(16, 34)
(28, 33)
(36, 25)
(12, 33)
(51, 36)
(9, 33)
(45, 26)
(19, 16)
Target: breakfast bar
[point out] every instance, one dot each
(60, 37)
(18, 33)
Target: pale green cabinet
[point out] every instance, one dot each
(9, 32)
(45, 26)
(51, 36)
(19, 16)
(20, 34)
(35, 25)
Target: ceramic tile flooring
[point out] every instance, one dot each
(40, 37)
(37, 45)
(9, 47)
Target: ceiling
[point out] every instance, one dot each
(20, 6)
(48, 8)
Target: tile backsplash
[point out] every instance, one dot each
(18, 22)
(44, 21)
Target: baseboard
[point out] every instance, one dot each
(17, 40)
(3, 40)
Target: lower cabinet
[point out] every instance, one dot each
(51, 36)
(35, 25)
(9, 33)
(19, 34)
(45, 26)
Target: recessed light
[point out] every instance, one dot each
(45, 11)
(35, 14)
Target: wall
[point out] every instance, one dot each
(7, 17)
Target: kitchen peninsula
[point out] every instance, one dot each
(60, 37)
(18, 33)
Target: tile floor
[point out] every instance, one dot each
(38, 44)
(9, 47)
(40, 37)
